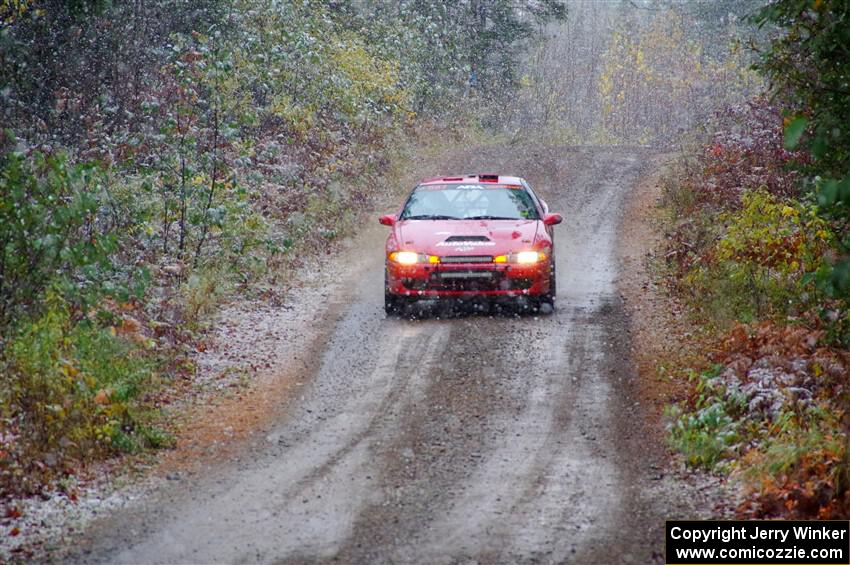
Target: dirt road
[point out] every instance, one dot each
(476, 438)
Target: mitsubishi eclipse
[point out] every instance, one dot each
(470, 236)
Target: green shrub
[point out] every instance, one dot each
(705, 436)
(69, 391)
(51, 230)
(708, 431)
(202, 293)
(757, 267)
(807, 65)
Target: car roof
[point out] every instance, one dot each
(479, 178)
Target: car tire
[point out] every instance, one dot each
(549, 297)
(546, 302)
(393, 304)
(553, 283)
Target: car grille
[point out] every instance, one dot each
(465, 280)
(467, 259)
(521, 284)
(471, 280)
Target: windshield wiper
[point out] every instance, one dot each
(490, 218)
(430, 217)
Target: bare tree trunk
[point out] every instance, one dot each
(205, 220)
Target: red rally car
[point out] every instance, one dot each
(470, 236)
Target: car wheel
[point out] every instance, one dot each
(549, 297)
(553, 283)
(393, 304)
(545, 303)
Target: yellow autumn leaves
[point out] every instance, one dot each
(655, 77)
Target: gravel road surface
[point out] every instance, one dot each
(478, 437)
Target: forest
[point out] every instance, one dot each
(159, 158)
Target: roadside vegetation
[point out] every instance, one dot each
(758, 246)
(158, 156)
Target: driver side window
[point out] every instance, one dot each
(539, 201)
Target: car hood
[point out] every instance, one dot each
(466, 237)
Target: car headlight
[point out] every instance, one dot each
(523, 258)
(404, 257)
(529, 257)
(411, 258)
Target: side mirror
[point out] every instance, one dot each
(387, 220)
(552, 219)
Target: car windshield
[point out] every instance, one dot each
(469, 202)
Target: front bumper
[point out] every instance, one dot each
(468, 279)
